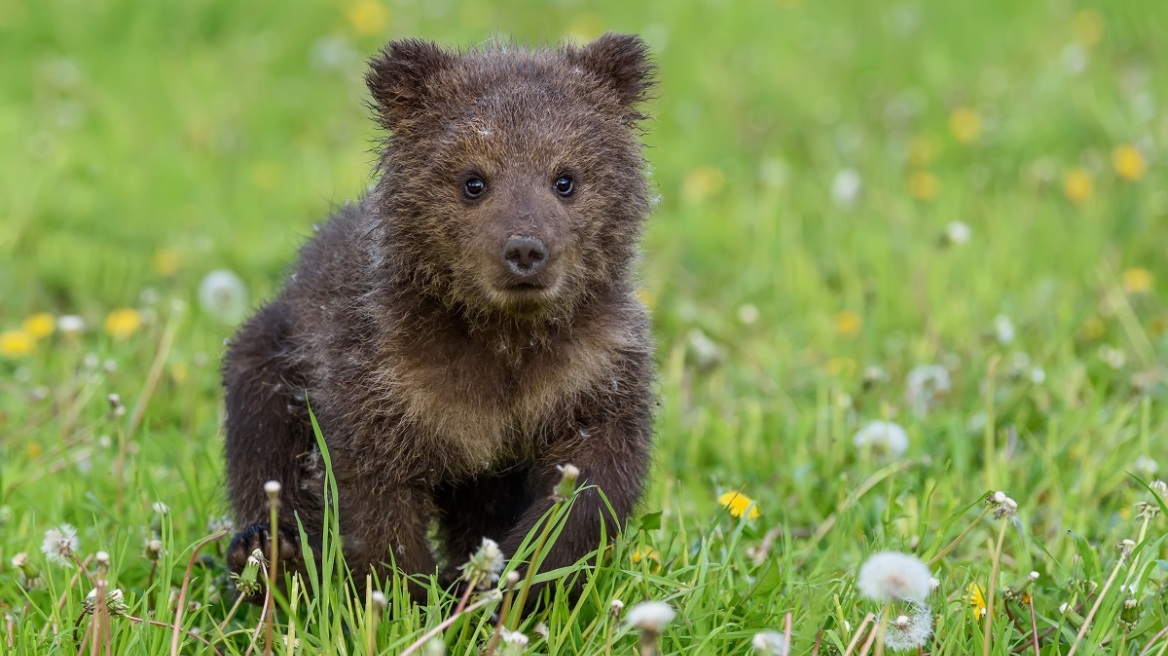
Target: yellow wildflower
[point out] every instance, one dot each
(923, 185)
(848, 323)
(976, 600)
(34, 450)
(40, 325)
(1088, 27)
(1077, 185)
(15, 343)
(738, 504)
(166, 262)
(702, 182)
(645, 553)
(1137, 280)
(368, 17)
(122, 323)
(1128, 163)
(965, 125)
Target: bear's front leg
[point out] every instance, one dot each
(613, 459)
(383, 528)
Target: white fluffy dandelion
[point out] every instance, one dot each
(60, 545)
(485, 565)
(512, 643)
(1004, 329)
(845, 187)
(651, 616)
(770, 643)
(924, 386)
(910, 631)
(958, 233)
(882, 437)
(223, 295)
(70, 324)
(891, 575)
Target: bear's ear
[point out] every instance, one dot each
(620, 60)
(400, 78)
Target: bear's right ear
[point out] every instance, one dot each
(400, 78)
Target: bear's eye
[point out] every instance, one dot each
(565, 185)
(474, 187)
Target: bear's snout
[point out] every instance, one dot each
(524, 256)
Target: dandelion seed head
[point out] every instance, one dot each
(958, 233)
(1159, 487)
(770, 643)
(115, 602)
(484, 565)
(70, 324)
(512, 643)
(845, 187)
(60, 545)
(891, 575)
(882, 437)
(1004, 329)
(223, 295)
(924, 386)
(272, 487)
(650, 616)
(160, 508)
(379, 599)
(1033, 576)
(910, 631)
(616, 606)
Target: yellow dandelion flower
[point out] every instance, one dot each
(975, 597)
(368, 17)
(122, 323)
(647, 554)
(921, 151)
(703, 182)
(1088, 27)
(15, 343)
(40, 325)
(1137, 280)
(1128, 163)
(1077, 185)
(166, 262)
(265, 175)
(965, 125)
(848, 323)
(739, 504)
(923, 185)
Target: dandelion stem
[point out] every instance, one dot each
(1098, 602)
(273, 567)
(1033, 627)
(992, 586)
(486, 599)
(859, 633)
(959, 539)
(498, 632)
(176, 627)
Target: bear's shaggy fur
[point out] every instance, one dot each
(467, 326)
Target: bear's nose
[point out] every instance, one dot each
(524, 255)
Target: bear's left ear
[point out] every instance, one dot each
(622, 62)
(400, 78)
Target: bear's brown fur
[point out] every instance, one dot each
(467, 326)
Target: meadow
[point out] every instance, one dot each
(946, 217)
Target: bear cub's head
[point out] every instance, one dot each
(513, 183)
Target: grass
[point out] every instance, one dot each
(143, 145)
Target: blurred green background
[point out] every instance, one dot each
(951, 214)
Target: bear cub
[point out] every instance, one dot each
(467, 326)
